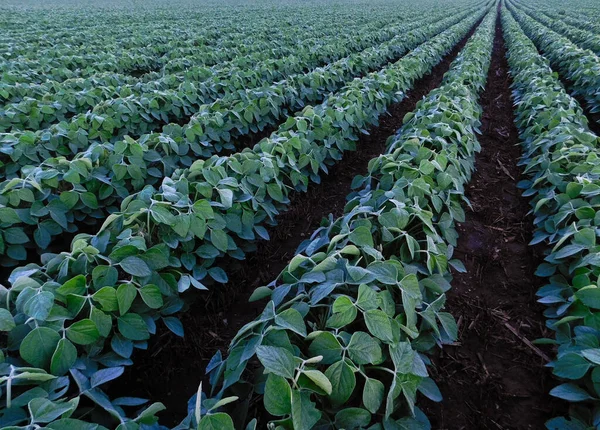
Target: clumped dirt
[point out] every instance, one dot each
(492, 378)
(172, 368)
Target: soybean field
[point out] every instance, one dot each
(296, 215)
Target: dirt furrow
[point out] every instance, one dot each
(492, 378)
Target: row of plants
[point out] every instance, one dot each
(217, 125)
(79, 316)
(583, 38)
(60, 195)
(219, 28)
(588, 24)
(67, 93)
(66, 62)
(561, 161)
(345, 337)
(147, 105)
(581, 67)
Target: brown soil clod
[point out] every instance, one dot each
(496, 378)
(172, 368)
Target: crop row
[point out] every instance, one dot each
(95, 304)
(581, 67)
(562, 162)
(344, 339)
(157, 30)
(237, 114)
(165, 98)
(53, 92)
(37, 67)
(583, 38)
(59, 195)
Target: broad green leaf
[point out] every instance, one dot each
(7, 322)
(571, 366)
(319, 379)
(126, 294)
(63, 358)
(218, 421)
(133, 327)
(342, 381)
(107, 298)
(304, 412)
(38, 346)
(570, 392)
(379, 324)
(278, 395)
(83, 332)
(291, 319)
(373, 393)
(363, 349)
(152, 296)
(135, 266)
(326, 345)
(277, 360)
(352, 418)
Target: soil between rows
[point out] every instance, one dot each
(172, 367)
(491, 379)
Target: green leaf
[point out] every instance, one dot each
(75, 285)
(344, 313)
(342, 381)
(352, 418)
(260, 293)
(226, 197)
(38, 346)
(373, 393)
(361, 236)
(291, 319)
(592, 354)
(7, 322)
(45, 411)
(589, 296)
(379, 324)
(107, 298)
(277, 360)
(319, 379)
(135, 266)
(15, 236)
(363, 349)
(304, 413)
(219, 240)
(90, 200)
(367, 298)
(39, 305)
(275, 192)
(83, 332)
(152, 296)
(133, 327)
(63, 358)
(326, 345)
(571, 366)
(126, 294)
(278, 395)
(103, 322)
(570, 392)
(218, 421)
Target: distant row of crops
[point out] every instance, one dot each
(144, 153)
